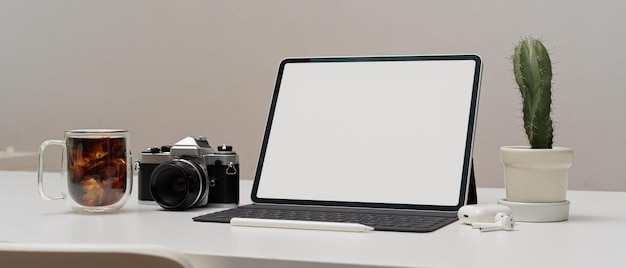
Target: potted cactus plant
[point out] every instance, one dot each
(536, 176)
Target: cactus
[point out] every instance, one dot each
(533, 74)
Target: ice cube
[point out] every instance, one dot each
(93, 192)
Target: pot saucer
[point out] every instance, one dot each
(538, 212)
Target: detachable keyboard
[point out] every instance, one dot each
(400, 221)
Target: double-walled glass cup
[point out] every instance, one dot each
(96, 169)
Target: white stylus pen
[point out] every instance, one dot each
(294, 224)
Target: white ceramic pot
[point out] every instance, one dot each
(536, 175)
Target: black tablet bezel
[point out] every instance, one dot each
(467, 162)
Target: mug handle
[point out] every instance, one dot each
(42, 149)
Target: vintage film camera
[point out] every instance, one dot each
(189, 174)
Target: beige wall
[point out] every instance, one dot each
(167, 69)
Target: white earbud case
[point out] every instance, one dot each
(481, 212)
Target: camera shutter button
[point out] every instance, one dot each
(225, 148)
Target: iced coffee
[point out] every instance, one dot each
(96, 173)
(97, 170)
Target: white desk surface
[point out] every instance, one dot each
(595, 234)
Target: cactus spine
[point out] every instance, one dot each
(533, 74)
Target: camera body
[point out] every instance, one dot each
(189, 174)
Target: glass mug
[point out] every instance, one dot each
(96, 169)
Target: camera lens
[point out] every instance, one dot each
(177, 184)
